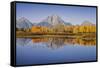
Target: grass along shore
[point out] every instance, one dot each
(84, 36)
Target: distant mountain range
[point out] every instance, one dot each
(23, 23)
(52, 20)
(87, 23)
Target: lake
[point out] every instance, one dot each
(54, 50)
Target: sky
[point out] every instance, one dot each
(38, 12)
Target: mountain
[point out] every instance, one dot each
(23, 23)
(87, 23)
(52, 20)
(43, 24)
(67, 23)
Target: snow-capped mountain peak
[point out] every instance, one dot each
(53, 20)
(23, 23)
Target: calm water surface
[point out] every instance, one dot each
(54, 50)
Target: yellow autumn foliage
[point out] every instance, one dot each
(70, 29)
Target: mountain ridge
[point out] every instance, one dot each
(52, 21)
(87, 23)
(23, 23)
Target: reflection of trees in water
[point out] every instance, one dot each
(87, 43)
(60, 42)
(56, 42)
(80, 42)
(22, 41)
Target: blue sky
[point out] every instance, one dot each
(38, 12)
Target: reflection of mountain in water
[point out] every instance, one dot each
(55, 43)
(22, 41)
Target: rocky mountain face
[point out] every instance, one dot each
(53, 20)
(23, 23)
(50, 21)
